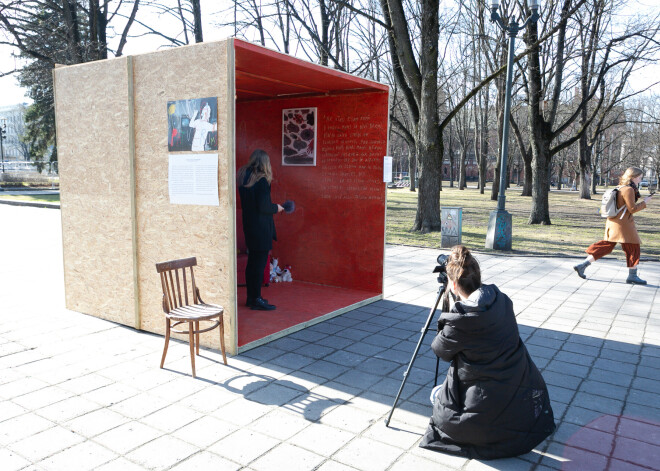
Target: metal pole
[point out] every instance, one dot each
(512, 30)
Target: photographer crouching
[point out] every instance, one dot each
(493, 402)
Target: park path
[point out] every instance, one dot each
(82, 393)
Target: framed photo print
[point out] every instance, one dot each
(299, 137)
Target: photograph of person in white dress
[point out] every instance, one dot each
(193, 125)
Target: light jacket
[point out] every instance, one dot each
(623, 230)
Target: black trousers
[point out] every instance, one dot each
(254, 272)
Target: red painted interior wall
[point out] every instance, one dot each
(336, 235)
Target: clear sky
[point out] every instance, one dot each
(11, 93)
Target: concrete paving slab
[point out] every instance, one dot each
(82, 393)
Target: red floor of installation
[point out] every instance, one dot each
(296, 302)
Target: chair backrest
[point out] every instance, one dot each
(175, 287)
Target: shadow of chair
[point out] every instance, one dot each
(180, 308)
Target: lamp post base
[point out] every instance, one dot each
(498, 236)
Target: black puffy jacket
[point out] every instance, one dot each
(494, 402)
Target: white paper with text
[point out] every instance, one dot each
(193, 179)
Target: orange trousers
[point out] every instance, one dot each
(601, 248)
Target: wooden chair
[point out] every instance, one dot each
(179, 308)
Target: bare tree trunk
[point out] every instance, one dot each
(477, 136)
(483, 156)
(452, 167)
(540, 213)
(461, 172)
(540, 138)
(540, 130)
(124, 34)
(412, 166)
(595, 162)
(419, 86)
(325, 28)
(429, 140)
(584, 151)
(527, 185)
(284, 20)
(93, 23)
(183, 22)
(103, 28)
(450, 153)
(70, 10)
(478, 118)
(197, 16)
(526, 157)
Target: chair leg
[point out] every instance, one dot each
(167, 341)
(222, 339)
(191, 335)
(197, 336)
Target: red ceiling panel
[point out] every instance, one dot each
(262, 73)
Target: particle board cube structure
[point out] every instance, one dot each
(117, 219)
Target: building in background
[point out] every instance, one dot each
(13, 148)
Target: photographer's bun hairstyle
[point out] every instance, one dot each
(464, 269)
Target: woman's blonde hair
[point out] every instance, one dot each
(464, 269)
(259, 164)
(629, 174)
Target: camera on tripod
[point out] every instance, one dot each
(441, 269)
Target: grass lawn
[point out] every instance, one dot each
(32, 198)
(575, 222)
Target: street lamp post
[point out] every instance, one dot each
(3, 136)
(498, 236)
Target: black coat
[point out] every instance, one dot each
(494, 402)
(258, 210)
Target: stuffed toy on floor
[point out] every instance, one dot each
(278, 274)
(286, 273)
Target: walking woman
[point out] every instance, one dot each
(621, 228)
(258, 226)
(493, 402)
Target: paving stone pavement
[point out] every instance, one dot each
(78, 392)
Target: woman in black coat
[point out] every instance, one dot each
(258, 226)
(493, 402)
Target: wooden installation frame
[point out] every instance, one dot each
(117, 222)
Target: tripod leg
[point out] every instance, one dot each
(437, 364)
(412, 360)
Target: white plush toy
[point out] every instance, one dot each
(286, 273)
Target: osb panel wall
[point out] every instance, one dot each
(93, 136)
(166, 231)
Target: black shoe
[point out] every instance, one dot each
(250, 301)
(260, 304)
